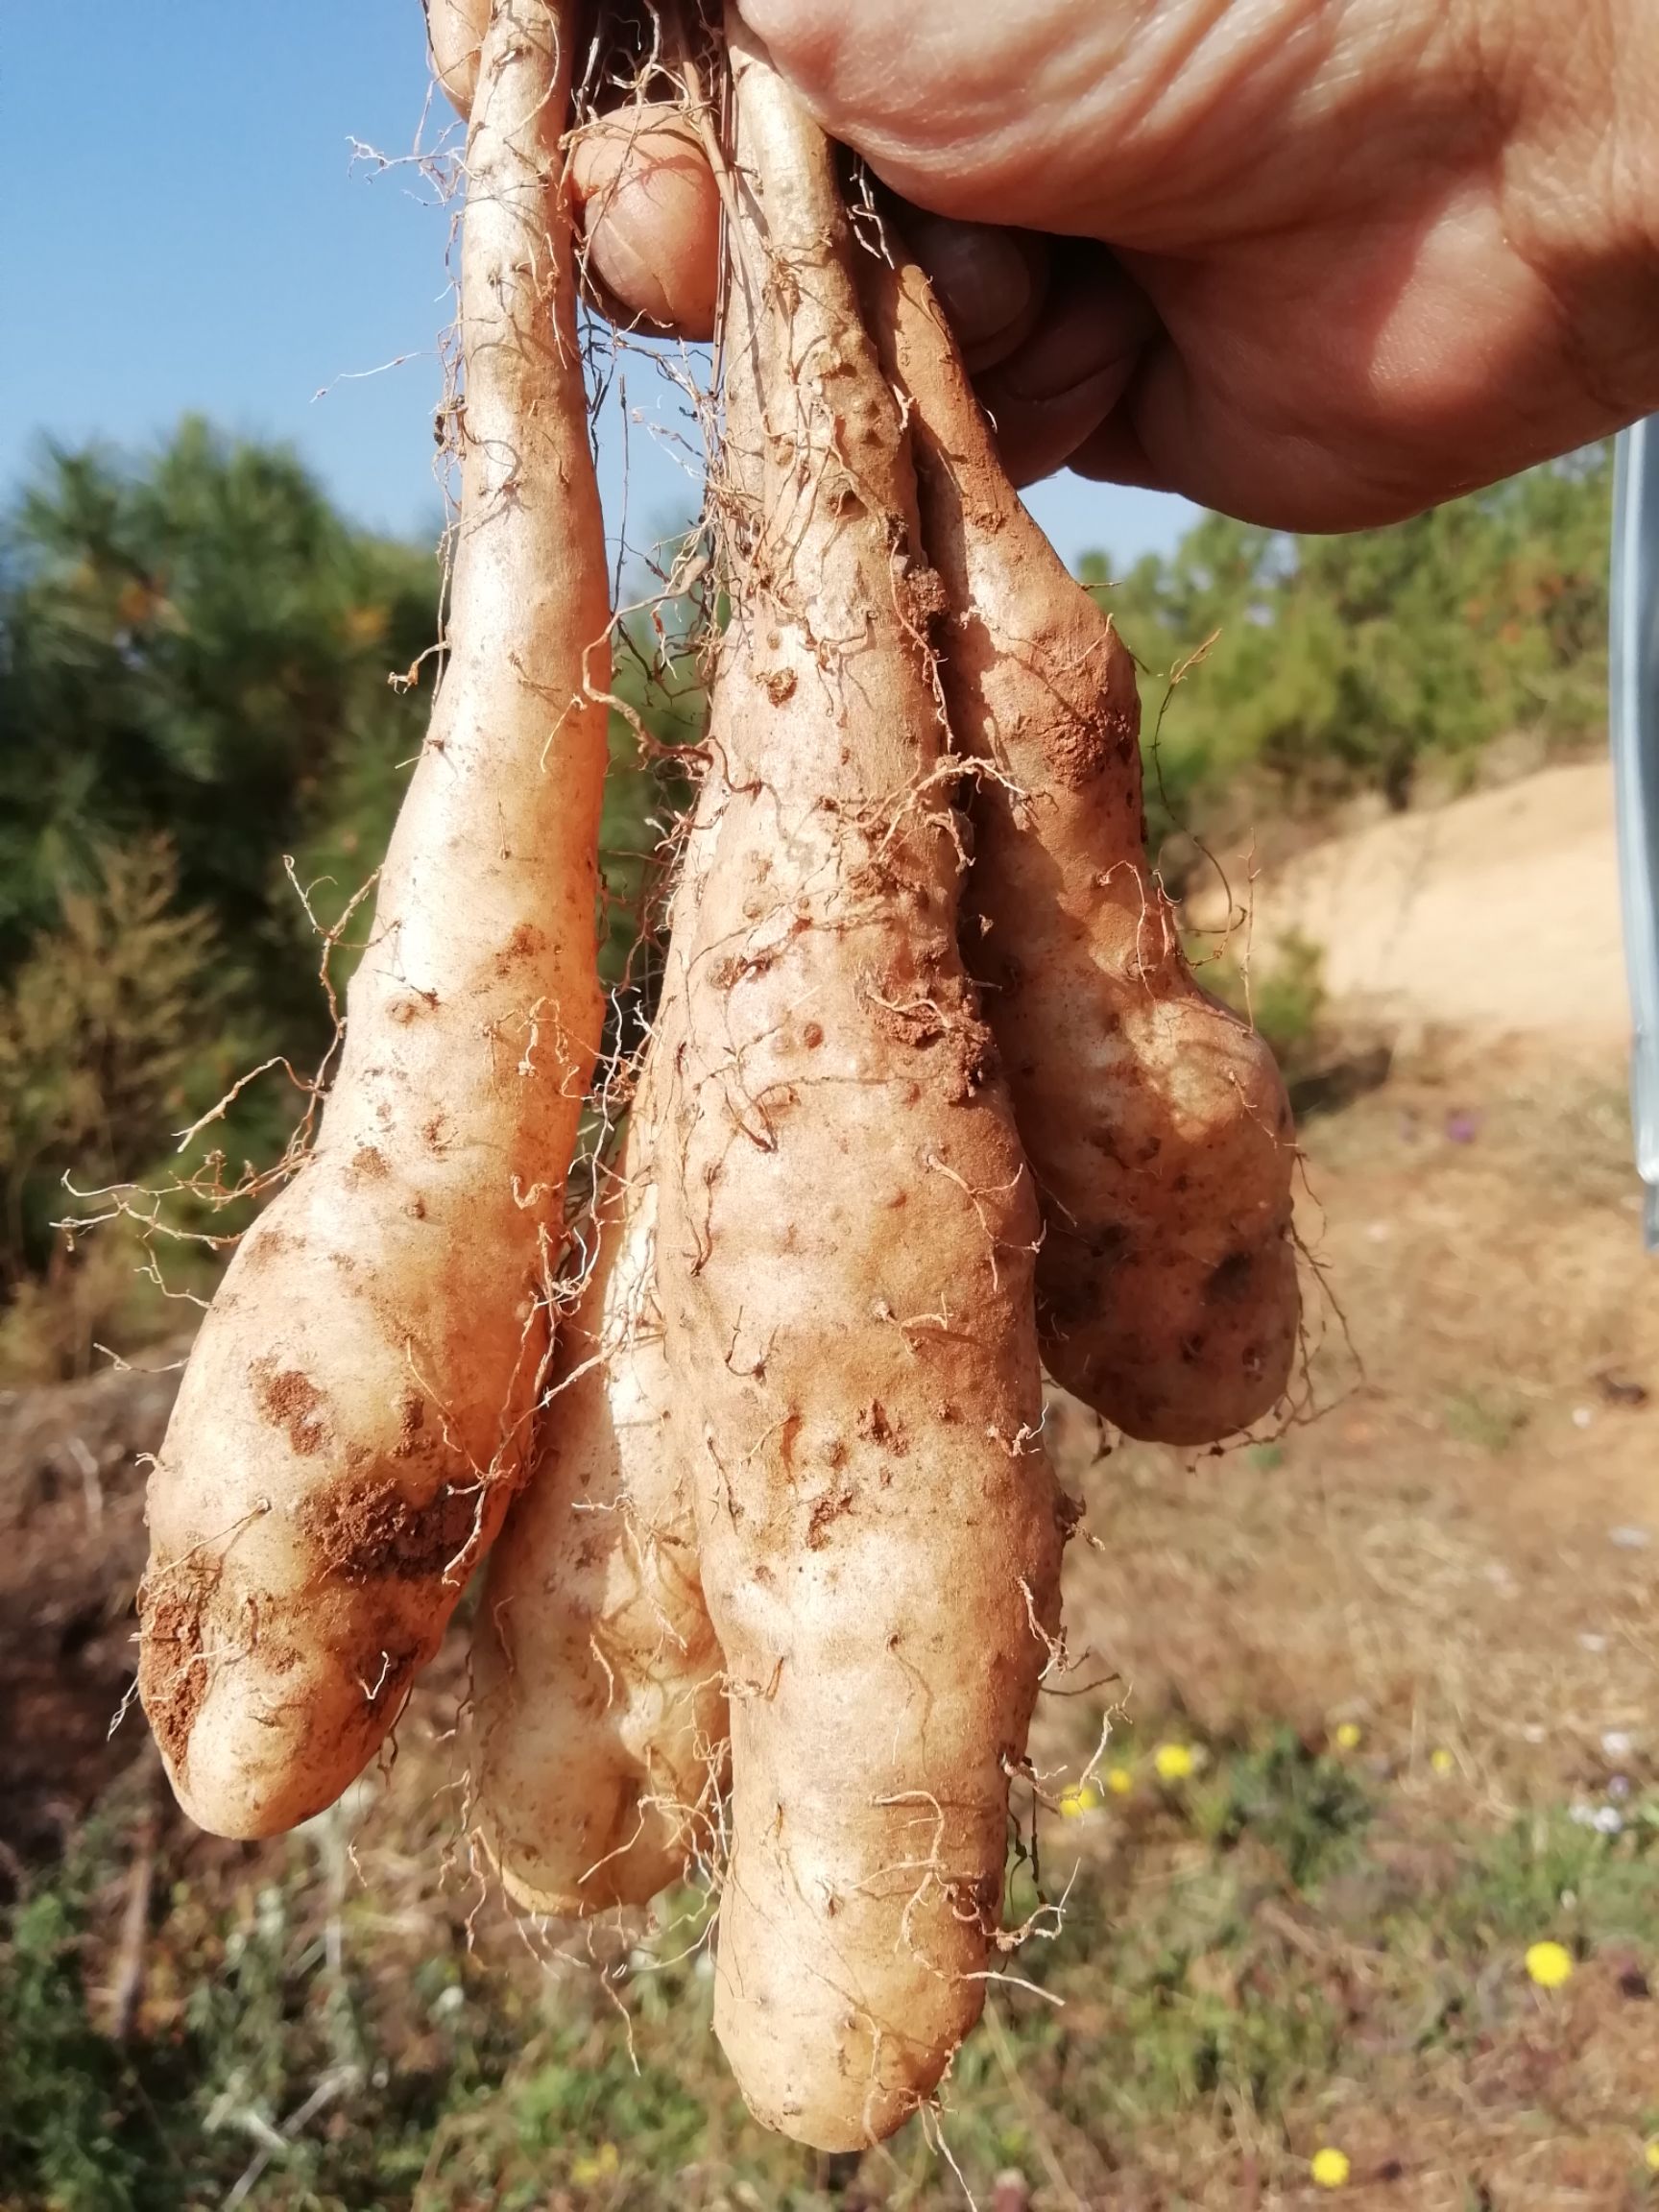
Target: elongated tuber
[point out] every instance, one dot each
(845, 1239)
(354, 1414)
(599, 1709)
(1155, 1120)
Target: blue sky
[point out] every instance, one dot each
(189, 231)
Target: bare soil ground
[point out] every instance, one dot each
(71, 1551)
(1495, 915)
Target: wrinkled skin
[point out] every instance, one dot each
(649, 216)
(1316, 266)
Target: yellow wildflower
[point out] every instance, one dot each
(1082, 1797)
(1441, 1760)
(1650, 2155)
(1549, 1965)
(1175, 1762)
(1119, 1781)
(1346, 1736)
(1328, 2168)
(601, 2165)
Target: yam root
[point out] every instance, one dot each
(1155, 1120)
(846, 1247)
(599, 1709)
(354, 1415)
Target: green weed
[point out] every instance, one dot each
(1491, 1421)
(1204, 1965)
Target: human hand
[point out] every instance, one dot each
(1318, 266)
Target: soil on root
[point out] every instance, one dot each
(378, 1530)
(173, 1668)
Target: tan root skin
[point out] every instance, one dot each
(845, 1249)
(1155, 1120)
(353, 1417)
(599, 1708)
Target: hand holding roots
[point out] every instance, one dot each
(931, 1096)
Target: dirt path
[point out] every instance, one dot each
(1498, 913)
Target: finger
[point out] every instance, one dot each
(992, 283)
(1112, 454)
(455, 34)
(648, 220)
(1054, 393)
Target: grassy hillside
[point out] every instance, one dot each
(1283, 673)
